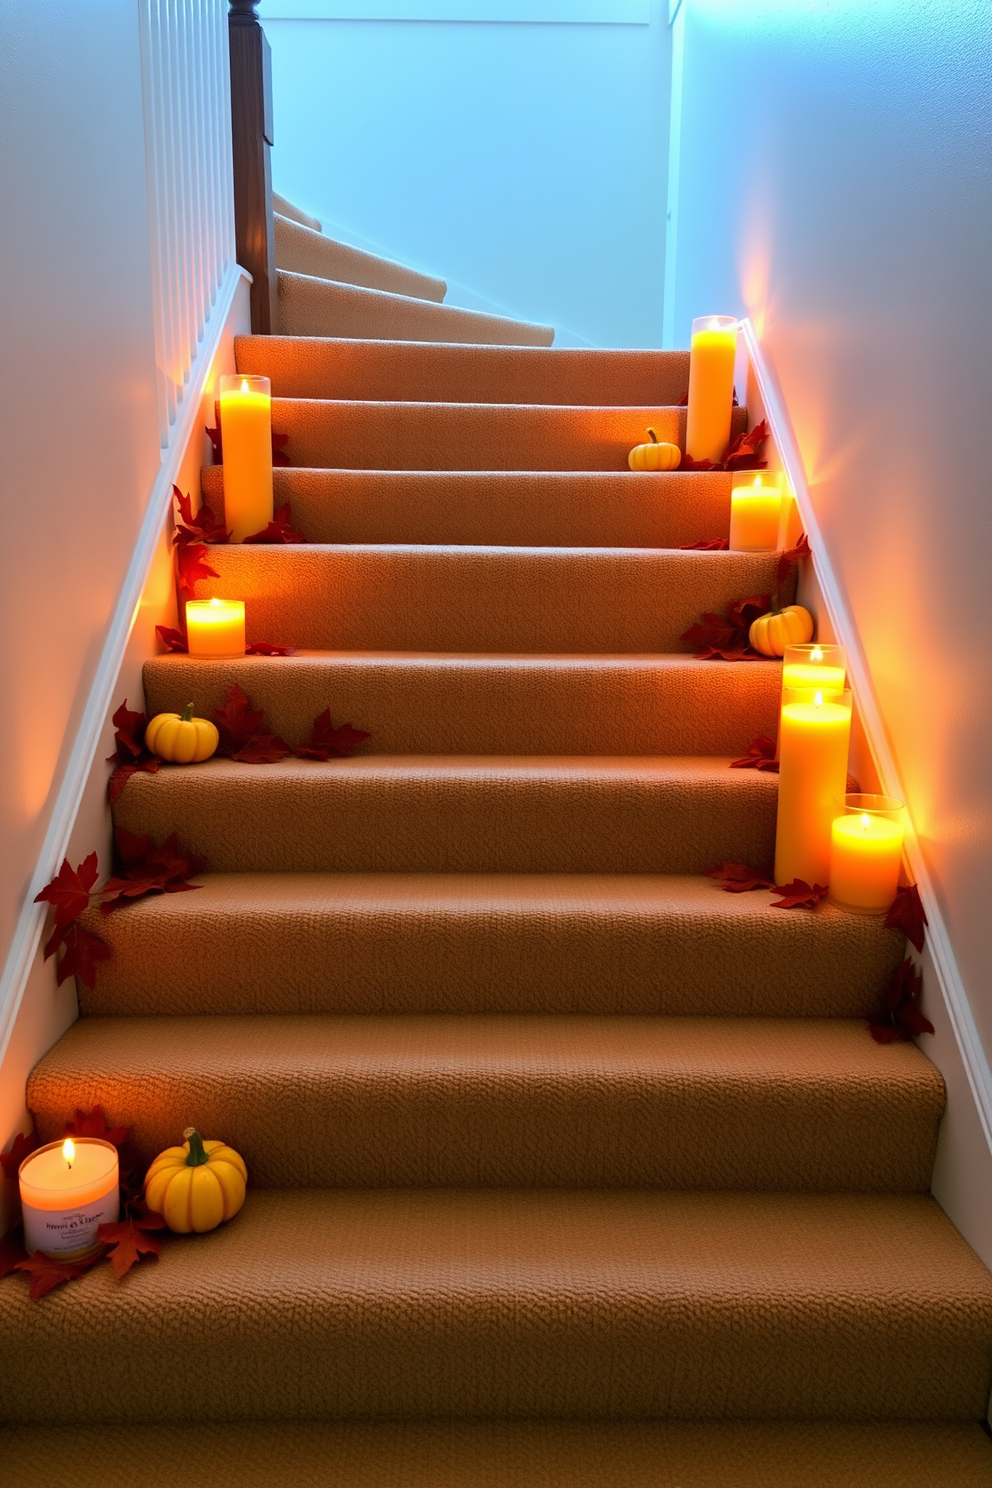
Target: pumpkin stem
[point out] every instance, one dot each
(654, 437)
(198, 1154)
(187, 714)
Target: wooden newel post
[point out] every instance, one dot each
(251, 128)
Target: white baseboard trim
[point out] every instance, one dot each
(952, 988)
(31, 920)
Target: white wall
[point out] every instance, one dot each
(523, 162)
(835, 165)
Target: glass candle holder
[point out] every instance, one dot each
(215, 628)
(713, 351)
(815, 667)
(68, 1189)
(814, 737)
(866, 853)
(755, 511)
(246, 441)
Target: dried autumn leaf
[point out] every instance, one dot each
(148, 869)
(269, 648)
(688, 463)
(725, 637)
(129, 1243)
(901, 1017)
(46, 1275)
(192, 565)
(279, 530)
(22, 1146)
(799, 894)
(792, 556)
(326, 741)
(743, 452)
(130, 754)
(243, 733)
(714, 545)
(907, 914)
(94, 1124)
(203, 527)
(172, 639)
(739, 878)
(760, 756)
(68, 893)
(81, 954)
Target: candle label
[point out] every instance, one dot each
(69, 1234)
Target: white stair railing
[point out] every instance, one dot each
(187, 111)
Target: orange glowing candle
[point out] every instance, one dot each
(712, 354)
(246, 432)
(820, 668)
(215, 627)
(814, 735)
(755, 511)
(866, 853)
(68, 1189)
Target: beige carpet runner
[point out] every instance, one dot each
(567, 1168)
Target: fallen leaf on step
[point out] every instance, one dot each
(326, 741)
(739, 878)
(725, 637)
(279, 442)
(244, 735)
(279, 530)
(799, 895)
(130, 1242)
(743, 452)
(714, 545)
(82, 952)
(69, 893)
(192, 565)
(901, 1017)
(147, 869)
(23, 1144)
(130, 754)
(46, 1275)
(760, 756)
(172, 639)
(688, 463)
(269, 648)
(94, 1124)
(203, 527)
(792, 556)
(907, 914)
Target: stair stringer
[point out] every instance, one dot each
(962, 1178)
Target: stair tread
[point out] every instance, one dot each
(543, 508)
(516, 1454)
(440, 1302)
(338, 367)
(482, 1100)
(449, 942)
(314, 306)
(305, 250)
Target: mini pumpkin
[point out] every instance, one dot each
(197, 1186)
(181, 739)
(654, 456)
(771, 633)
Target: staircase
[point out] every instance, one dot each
(566, 1166)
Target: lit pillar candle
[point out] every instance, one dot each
(711, 386)
(866, 853)
(215, 627)
(755, 511)
(819, 668)
(814, 735)
(246, 438)
(68, 1189)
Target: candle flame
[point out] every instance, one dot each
(244, 384)
(818, 700)
(69, 1151)
(216, 603)
(816, 654)
(757, 480)
(714, 324)
(865, 821)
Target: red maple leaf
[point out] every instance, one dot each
(23, 1144)
(82, 951)
(907, 914)
(725, 637)
(94, 1124)
(203, 527)
(69, 893)
(243, 732)
(279, 530)
(130, 1241)
(901, 1017)
(714, 545)
(269, 648)
(688, 463)
(130, 754)
(148, 869)
(739, 878)
(279, 442)
(792, 556)
(760, 756)
(743, 452)
(799, 894)
(46, 1275)
(192, 565)
(172, 639)
(327, 741)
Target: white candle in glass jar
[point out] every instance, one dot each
(68, 1189)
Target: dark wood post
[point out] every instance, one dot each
(251, 127)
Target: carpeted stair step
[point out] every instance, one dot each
(504, 1454)
(486, 943)
(318, 1304)
(396, 371)
(457, 704)
(355, 435)
(286, 208)
(568, 509)
(460, 814)
(310, 306)
(795, 1105)
(301, 250)
(542, 600)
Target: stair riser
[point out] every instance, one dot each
(470, 436)
(444, 373)
(405, 957)
(329, 818)
(317, 307)
(302, 251)
(480, 600)
(460, 707)
(519, 508)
